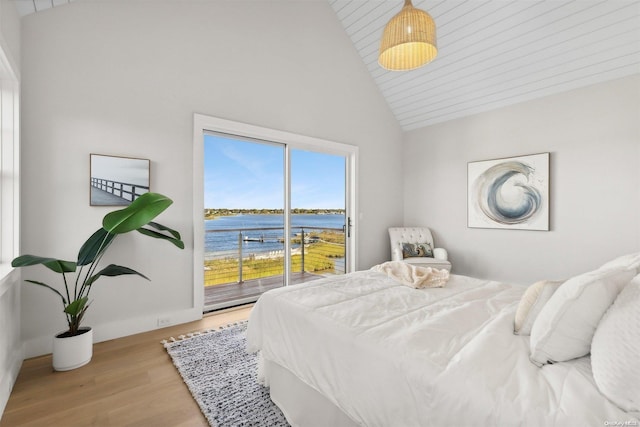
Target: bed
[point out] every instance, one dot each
(363, 349)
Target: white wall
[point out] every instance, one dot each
(124, 78)
(11, 350)
(593, 135)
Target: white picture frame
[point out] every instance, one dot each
(509, 193)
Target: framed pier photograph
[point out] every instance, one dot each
(117, 181)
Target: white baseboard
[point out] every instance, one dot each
(118, 329)
(11, 347)
(9, 378)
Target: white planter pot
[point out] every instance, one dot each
(72, 352)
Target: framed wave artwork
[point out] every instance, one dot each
(510, 193)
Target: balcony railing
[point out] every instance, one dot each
(124, 190)
(256, 253)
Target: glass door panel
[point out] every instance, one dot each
(318, 215)
(244, 195)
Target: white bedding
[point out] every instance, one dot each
(390, 355)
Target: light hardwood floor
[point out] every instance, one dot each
(129, 382)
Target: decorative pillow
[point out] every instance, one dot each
(417, 250)
(565, 326)
(624, 261)
(615, 350)
(532, 301)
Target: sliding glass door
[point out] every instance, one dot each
(274, 215)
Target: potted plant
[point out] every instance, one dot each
(73, 348)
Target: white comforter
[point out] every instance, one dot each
(389, 355)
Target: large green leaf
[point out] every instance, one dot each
(64, 301)
(179, 243)
(94, 244)
(140, 212)
(57, 265)
(113, 270)
(161, 227)
(76, 307)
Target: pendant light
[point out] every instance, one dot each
(408, 40)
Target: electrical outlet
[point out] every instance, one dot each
(163, 321)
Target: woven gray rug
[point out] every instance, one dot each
(222, 378)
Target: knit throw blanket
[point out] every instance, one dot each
(412, 275)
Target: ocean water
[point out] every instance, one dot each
(219, 243)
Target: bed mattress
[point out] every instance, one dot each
(389, 355)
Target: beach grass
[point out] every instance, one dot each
(318, 257)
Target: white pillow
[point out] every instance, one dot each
(615, 350)
(532, 301)
(564, 328)
(624, 261)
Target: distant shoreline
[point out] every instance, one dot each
(210, 213)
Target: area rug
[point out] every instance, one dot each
(222, 377)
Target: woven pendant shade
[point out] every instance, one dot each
(408, 40)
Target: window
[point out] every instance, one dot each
(293, 151)
(9, 165)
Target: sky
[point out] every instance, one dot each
(250, 175)
(121, 169)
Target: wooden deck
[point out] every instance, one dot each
(230, 294)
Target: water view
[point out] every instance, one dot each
(263, 239)
(251, 246)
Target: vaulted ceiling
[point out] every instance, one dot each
(491, 53)
(26, 7)
(497, 53)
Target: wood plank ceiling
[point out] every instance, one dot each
(497, 53)
(491, 53)
(26, 7)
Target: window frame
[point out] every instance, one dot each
(207, 124)
(9, 165)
